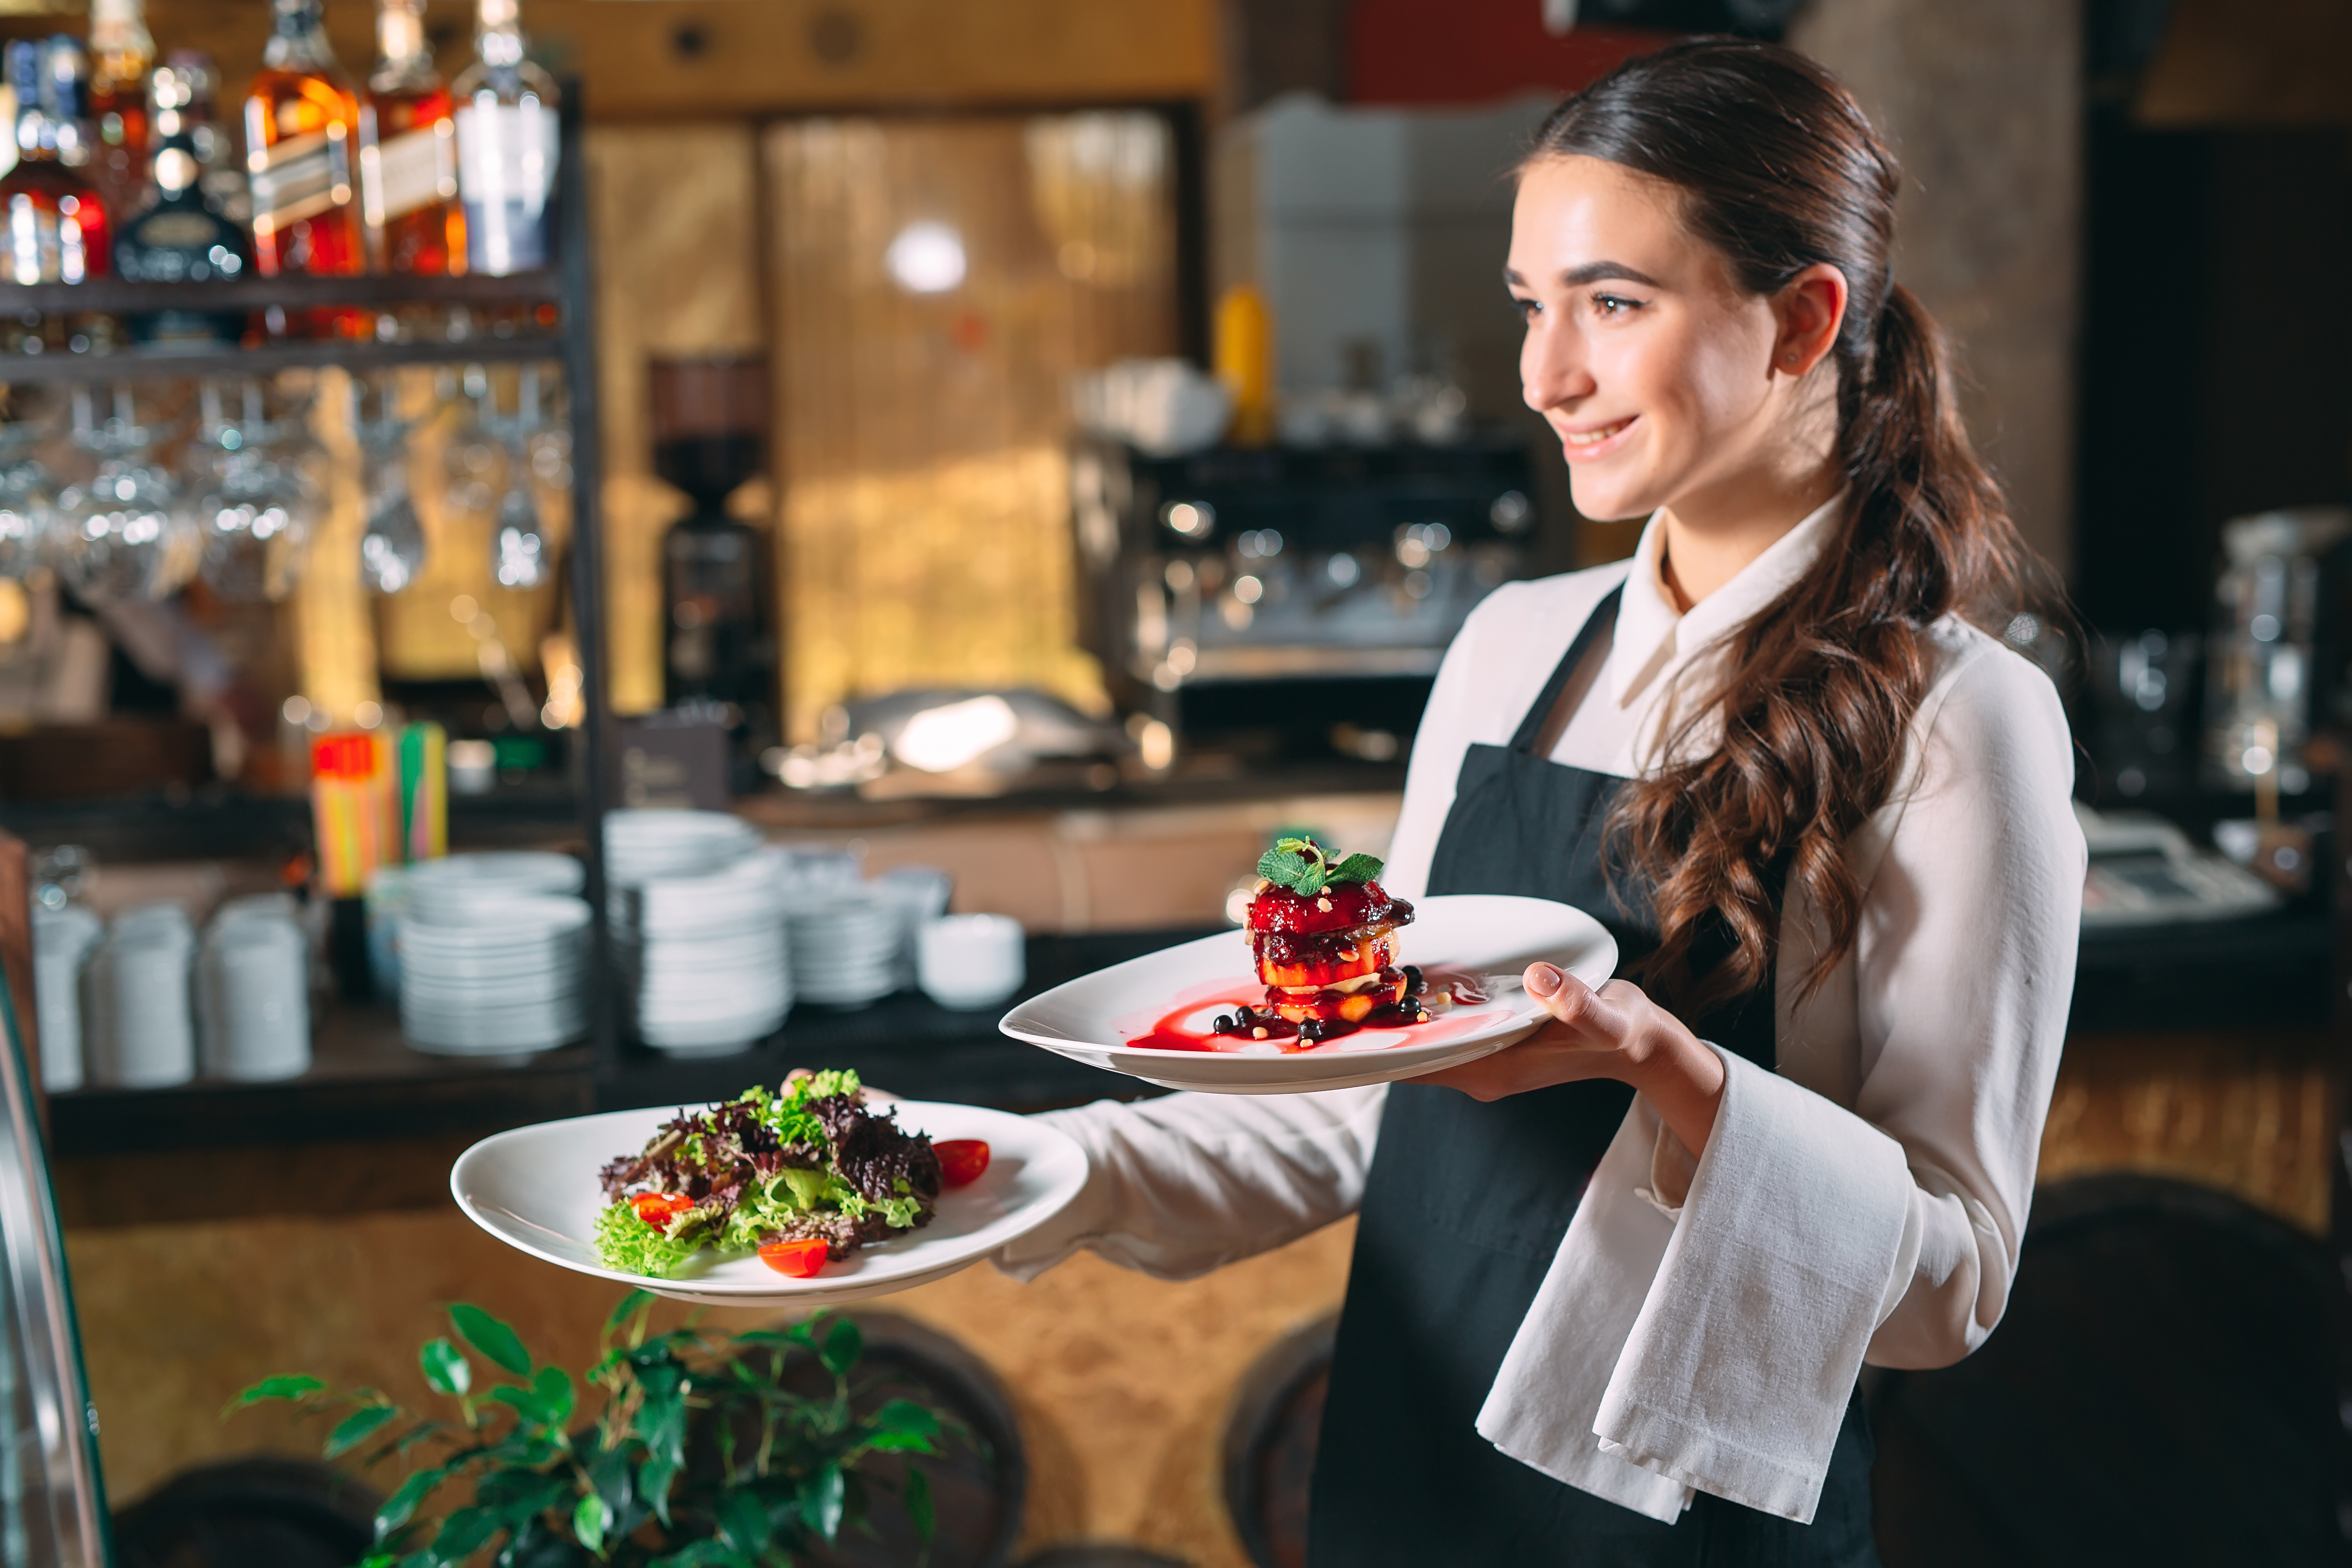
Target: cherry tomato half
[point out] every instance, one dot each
(657, 1209)
(799, 1259)
(962, 1161)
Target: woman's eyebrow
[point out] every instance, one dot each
(1590, 272)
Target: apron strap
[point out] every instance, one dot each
(1603, 617)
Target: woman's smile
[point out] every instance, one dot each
(1591, 443)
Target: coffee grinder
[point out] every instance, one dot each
(719, 657)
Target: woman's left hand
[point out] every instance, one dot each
(1615, 1032)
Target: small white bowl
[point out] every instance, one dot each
(967, 961)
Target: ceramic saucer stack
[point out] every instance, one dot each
(704, 958)
(844, 942)
(640, 845)
(501, 975)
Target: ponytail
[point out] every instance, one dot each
(1780, 171)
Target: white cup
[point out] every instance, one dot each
(138, 1031)
(253, 1005)
(921, 893)
(970, 961)
(62, 942)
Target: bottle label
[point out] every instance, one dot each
(43, 244)
(300, 178)
(412, 170)
(506, 167)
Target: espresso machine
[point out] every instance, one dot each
(1293, 600)
(718, 657)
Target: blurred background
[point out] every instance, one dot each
(1000, 463)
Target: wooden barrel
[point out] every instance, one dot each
(2159, 1391)
(1269, 1448)
(258, 1512)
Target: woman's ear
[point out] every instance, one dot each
(1810, 311)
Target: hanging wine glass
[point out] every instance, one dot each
(28, 504)
(471, 458)
(121, 533)
(519, 555)
(257, 506)
(392, 540)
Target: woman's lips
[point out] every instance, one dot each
(1585, 446)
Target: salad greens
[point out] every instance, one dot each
(806, 1162)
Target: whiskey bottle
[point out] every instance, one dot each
(180, 236)
(507, 146)
(301, 145)
(408, 153)
(55, 223)
(122, 53)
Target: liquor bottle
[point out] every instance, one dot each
(408, 153)
(122, 53)
(301, 145)
(507, 146)
(181, 235)
(221, 172)
(56, 222)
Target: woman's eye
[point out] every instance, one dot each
(1523, 307)
(1615, 304)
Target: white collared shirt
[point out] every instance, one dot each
(1703, 1321)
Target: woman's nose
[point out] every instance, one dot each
(1552, 368)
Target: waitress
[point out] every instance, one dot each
(1613, 1286)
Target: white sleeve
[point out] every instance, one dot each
(1180, 1185)
(1964, 975)
(1447, 730)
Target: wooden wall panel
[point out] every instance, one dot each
(676, 273)
(920, 436)
(703, 58)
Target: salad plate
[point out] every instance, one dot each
(1107, 1019)
(535, 1188)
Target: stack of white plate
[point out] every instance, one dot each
(640, 845)
(704, 957)
(62, 942)
(137, 1029)
(252, 986)
(843, 942)
(452, 886)
(498, 977)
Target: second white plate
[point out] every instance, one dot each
(1098, 1018)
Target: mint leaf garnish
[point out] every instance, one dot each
(1302, 866)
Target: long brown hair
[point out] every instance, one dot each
(1779, 169)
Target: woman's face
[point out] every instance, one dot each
(1667, 383)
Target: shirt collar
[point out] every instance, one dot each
(1652, 636)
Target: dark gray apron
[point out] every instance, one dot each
(1464, 1211)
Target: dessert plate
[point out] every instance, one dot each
(1097, 1017)
(535, 1189)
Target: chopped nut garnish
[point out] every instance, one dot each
(1257, 1034)
(1323, 904)
(1263, 884)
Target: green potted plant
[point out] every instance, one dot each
(698, 1456)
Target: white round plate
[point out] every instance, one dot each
(535, 1189)
(1091, 1018)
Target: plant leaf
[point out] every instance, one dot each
(632, 1302)
(820, 1499)
(843, 1346)
(590, 1520)
(355, 1429)
(918, 1503)
(400, 1505)
(293, 1386)
(1279, 867)
(447, 1370)
(652, 1484)
(492, 1337)
(743, 1522)
(557, 1396)
(1358, 868)
(464, 1533)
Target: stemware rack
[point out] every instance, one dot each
(364, 1083)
